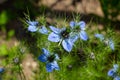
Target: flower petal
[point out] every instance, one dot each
(42, 58)
(111, 44)
(112, 73)
(100, 36)
(117, 78)
(83, 35)
(45, 51)
(82, 25)
(1, 70)
(73, 38)
(49, 67)
(43, 30)
(67, 45)
(72, 24)
(54, 29)
(32, 28)
(32, 23)
(54, 37)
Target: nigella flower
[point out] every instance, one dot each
(34, 26)
(50, 60)
(107, 41)
(117, 78)
(62, 35)
(79, 29)
(1, 70)
(112, 73)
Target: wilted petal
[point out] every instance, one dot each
(54, 37)
(43, 30)
(67, 45)
(111, 44)
(83, 35)
(32, 28)
(82, 25)
(54, 29)
(100, 36)
(72, 24)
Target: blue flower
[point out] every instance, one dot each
(79, 29)
(49, 59)
(62, 35)
(43, 30)
(117, 78)
(32, 26)
(107, 41)
(112, 73)
(1, 70)
(115, 66)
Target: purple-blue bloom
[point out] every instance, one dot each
(79, 29)
(112, 73)
(63, 36)
(107, 41)
(49, 59)
(43, 30)
(117, 78)
(32, 26)
(1, 70)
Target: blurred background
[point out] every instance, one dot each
(101, 12)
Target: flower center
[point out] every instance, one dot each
(65, 33)
(51, 58)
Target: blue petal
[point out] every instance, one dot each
(56, 67)
(82, 25)
(32, 28)
(43, 30)
(42, 58)
(32, 23)
(117, 78)
(100, 36)
(57, 57)
(54, 29)
(45, 51)
(1, 70)
(67, 45)
(83, 35)
(73, 38)
(72, 24)
(112, 73)
(49, 67)
(54, 37)
(115, 66)
(111, 44)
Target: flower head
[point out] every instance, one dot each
(112, 73)
(79, 29)
(62, 35)
(107, 41)
(49, 59)
(117, 78)
(32, 26)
